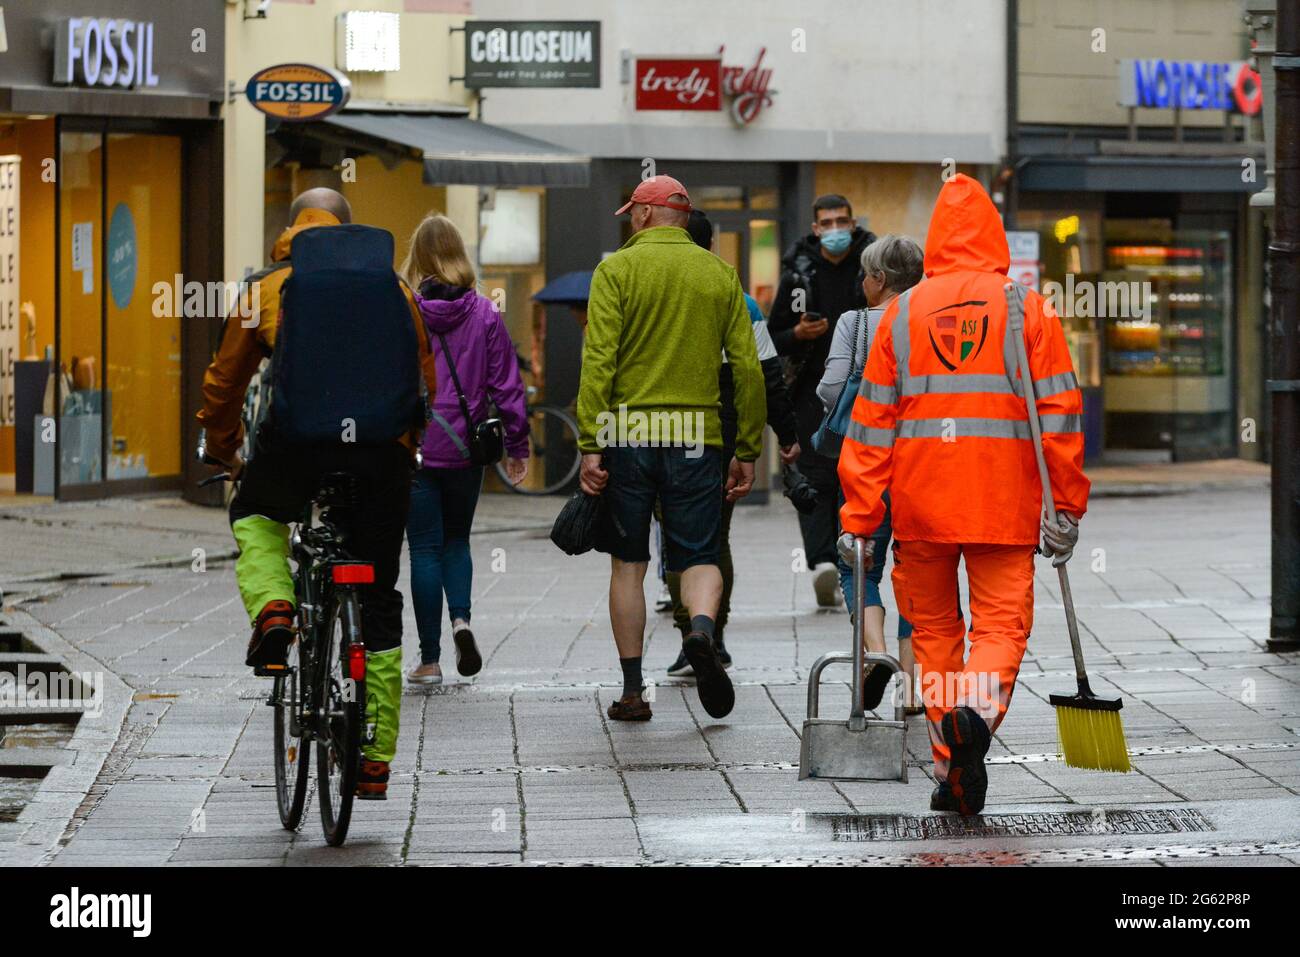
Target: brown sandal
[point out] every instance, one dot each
(630, 708)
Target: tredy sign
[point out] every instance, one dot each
(104, 52)
(701, 83)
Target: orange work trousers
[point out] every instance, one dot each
(1001, 581)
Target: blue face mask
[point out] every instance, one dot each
(836, 241)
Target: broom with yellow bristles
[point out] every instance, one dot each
(1092, 735)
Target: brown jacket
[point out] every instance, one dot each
(244, 346)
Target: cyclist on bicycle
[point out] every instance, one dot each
(288, 460)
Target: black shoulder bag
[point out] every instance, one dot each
(486, 439)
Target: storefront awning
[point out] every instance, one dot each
(460, 151)
(1066, 159)
(1136, 174)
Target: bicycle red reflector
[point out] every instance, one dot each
(357, 661)
(354, 574)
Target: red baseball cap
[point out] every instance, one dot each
(655, 192)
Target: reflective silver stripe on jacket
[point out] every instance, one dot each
(1055, 384)
(955, 383)
(884, 394)
(877, 438)
(902, 334)
(1069, 422)
(963, 428)
(1009, 361)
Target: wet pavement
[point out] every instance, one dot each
(520, 765)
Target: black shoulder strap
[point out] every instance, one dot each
(244, 284)
(460, 393)
(859, 335)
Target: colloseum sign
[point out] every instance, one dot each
(536, 53)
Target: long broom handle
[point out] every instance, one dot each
(1016, 320)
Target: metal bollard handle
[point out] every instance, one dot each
(857, 716)
(859, 656)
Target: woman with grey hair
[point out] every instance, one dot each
(890, 265)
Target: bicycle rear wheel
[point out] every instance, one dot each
(292, 750)
(338, 748)
(553, 439)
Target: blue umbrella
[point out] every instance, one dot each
(572, 288)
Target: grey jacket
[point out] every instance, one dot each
(842, 352)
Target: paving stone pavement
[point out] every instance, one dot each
(520, 765)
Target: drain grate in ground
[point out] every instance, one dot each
(904, 827)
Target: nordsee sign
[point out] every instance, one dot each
(536, 53)
(1190, 85)
(104, 52)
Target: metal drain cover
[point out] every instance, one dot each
(904, 827)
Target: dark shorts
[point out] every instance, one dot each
(689, 488)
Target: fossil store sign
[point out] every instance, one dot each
(103, 52)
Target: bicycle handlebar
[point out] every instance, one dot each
(202, 454)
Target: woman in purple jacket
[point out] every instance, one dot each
(467, 328)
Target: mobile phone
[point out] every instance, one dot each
(813, 316)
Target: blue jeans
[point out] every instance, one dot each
(437, 534)
(879, 548)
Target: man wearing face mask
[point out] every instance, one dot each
(820, 280)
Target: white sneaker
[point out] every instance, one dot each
(665, 600)
(826, 584)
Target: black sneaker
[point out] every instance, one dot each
(681, 668)
(967, 737)
(723, 655)
(711, 681)
(941, 798)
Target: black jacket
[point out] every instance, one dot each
(780, 410)
(829, 289)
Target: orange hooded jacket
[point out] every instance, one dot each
(940, 420)
(244, 344)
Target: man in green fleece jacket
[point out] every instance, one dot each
(660, 314)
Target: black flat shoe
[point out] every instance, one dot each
(468, 660)
(874, 685)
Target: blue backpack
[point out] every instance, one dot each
(829, 438)
(346, 363)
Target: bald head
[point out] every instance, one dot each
(645, 216)
(322, 197)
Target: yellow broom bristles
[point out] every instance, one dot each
(1092, 739)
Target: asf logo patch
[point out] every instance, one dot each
(957, 332)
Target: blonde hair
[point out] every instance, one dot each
(437, 251)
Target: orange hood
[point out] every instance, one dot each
(966, 232)
(307, 219)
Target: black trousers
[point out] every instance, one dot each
(281, 479)
(820, 527)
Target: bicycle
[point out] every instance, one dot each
(320, 696)
(552, 435)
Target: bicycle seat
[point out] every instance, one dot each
(339, 489)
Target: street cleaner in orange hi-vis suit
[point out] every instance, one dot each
(940, 423)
